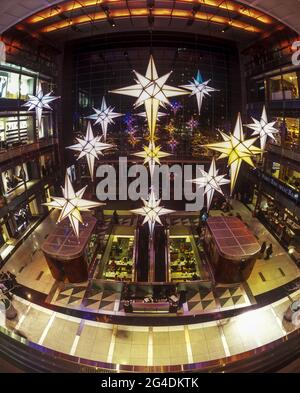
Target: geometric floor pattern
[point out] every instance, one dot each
(207, 300)
(199, 301)
(83, 298)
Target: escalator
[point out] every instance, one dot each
(142, 257)
(160, 253)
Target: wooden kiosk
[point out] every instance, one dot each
(66, 255)
(231, 248)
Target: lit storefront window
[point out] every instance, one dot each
(289, 126)
(26, 87)
(9, 85)
(16, 130)
(14, 177)
(284, 173)
(284, 87)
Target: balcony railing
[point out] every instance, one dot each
(10, 153)
(288, 151)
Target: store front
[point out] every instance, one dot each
(285, 173)
(282, 222)
(16, 129)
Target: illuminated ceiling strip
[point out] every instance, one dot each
(227, 5)
(140, 12)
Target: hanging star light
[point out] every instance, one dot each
(104, 116)
(170, 127)
(89, 147)
(211, 182)
(192, 124)
(151, 155)
(175, 106)
(237, 149)
(39, 102)
(263, 128)
(71, 204)
(151, 91)
(152, 211)
(173, 144)
(200, 89)
(159, 115)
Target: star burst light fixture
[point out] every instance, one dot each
(152, 211)
(263, 128)
(39, 102)
(152, 155)
(237, 149)
(159, 114)
(211, 182)
(89, 147)
(199, 88)
(152, 91)
(71, 204)
(104, 116)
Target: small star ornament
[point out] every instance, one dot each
(39, 102)
(71, 205)
(90, 147)
(199, 89)
(152, 211)
(263, 129)
(211, 181)
(152, 155)
(104, 116)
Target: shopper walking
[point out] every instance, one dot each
(263, 249)
(269, 251)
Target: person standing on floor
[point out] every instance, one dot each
(269, 251)
(263, 249)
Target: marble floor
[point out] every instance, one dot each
(150, 345)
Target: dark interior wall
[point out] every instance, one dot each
(96, 65)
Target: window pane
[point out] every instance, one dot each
(290, 86)
(276, 92)
(27, 84)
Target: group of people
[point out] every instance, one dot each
(266, 251)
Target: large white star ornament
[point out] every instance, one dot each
(152, 155)
(89, 147)
(211, 182)
(39, 102)
(200, 89)
(237, 149)
(152, 211)
(263, 129)
(71, 204)
(152, 91)
(104, 116)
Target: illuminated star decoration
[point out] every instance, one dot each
(175, 106)
(152, 211)
(71, 204)
(89, 147)
(39, 102)
(159, 114)
(151, 155)
(211, 182)
(263, 128)
(104, 116)
(173, 144)
(192, 124)
(151, 91)
(200, 89)
(237, 149)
